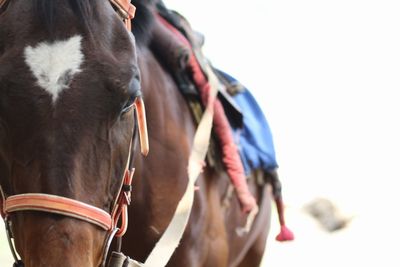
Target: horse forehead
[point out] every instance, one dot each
(54, 64)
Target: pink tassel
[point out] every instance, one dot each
(286, 234)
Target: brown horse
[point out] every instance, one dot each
(69, 76)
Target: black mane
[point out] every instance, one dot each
(144, 18)
(47, 11)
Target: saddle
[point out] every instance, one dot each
(175, 53)
(234, 97)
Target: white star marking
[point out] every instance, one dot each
(54, 64)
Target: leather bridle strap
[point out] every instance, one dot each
(2, 2)
(123, 201)
(125, 9)
(74, 208)
(59, 205)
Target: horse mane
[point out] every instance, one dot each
(143, 21)
(47, 12)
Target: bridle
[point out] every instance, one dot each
(76, 209)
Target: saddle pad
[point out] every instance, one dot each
(254, 139)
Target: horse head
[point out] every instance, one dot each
(69, 82)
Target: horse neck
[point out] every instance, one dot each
(171, 129)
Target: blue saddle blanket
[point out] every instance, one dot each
(254, 139)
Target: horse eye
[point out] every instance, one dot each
(128, 105)
(133, 91)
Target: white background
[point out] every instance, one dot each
(327, 74)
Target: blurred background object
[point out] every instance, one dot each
(327, 214)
